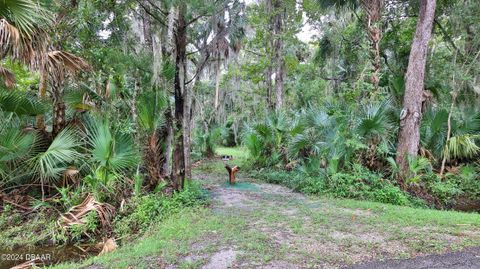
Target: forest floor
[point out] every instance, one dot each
(258, 225)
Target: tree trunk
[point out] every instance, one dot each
(218, 75)
(147, 33)
(58, 110)
(187, 104)
(269, 45)
(180, 36)
(411, 116)
(152, 161)
(268, 82)
(373, 11)
(58, 117)
(166, 162)
(42, 93)
(278, 52)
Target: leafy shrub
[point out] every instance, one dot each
(445, 190)
(87, 229)
(266, 140)
(360, 184)
(205, 141)
(145, 210)
(365, 185)
(465, 182)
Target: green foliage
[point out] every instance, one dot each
(206, 141)
(142, 211)
(15, 148)
(419, 167)
(465, 182)
(359, 183)
(26, 15)
(445, 190)
(365, 185)
(150, 110)
(461, 146)
(374, 122)
(21, 103)
(62, 152)
(111, 152)
(330, 137)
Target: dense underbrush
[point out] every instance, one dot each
(359, 184)
(455, 191)
(132, 218)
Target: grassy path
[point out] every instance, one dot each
(257, 225)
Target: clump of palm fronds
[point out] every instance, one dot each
(206, 140)
(77, 214)
(21, 104)
(111, 151)
(461, 146)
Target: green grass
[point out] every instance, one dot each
(408, 216)
(169, 240)
(272, 224)
(238, 153)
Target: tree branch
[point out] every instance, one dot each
(447, 37)
(207, 56)
(255, 53)
(155, 16)
(165, 13)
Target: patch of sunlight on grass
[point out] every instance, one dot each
(238, 153)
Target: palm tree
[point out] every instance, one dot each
(22, 35)
(58, 65)
(151, 107)
(373, 11)
(23, 38)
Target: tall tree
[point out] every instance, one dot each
(180, 37)
(279, 62)
(411, 116)
(373, 12)
(179, 18)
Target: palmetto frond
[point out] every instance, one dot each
(374, 121)
(51, 163)
(111, 153)
(461, 146)
(22, 34)
(434, 130)
(16, 146)
(24, 14)
(77, 214)
(61, 63)
(21, 104)
(150, 110)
